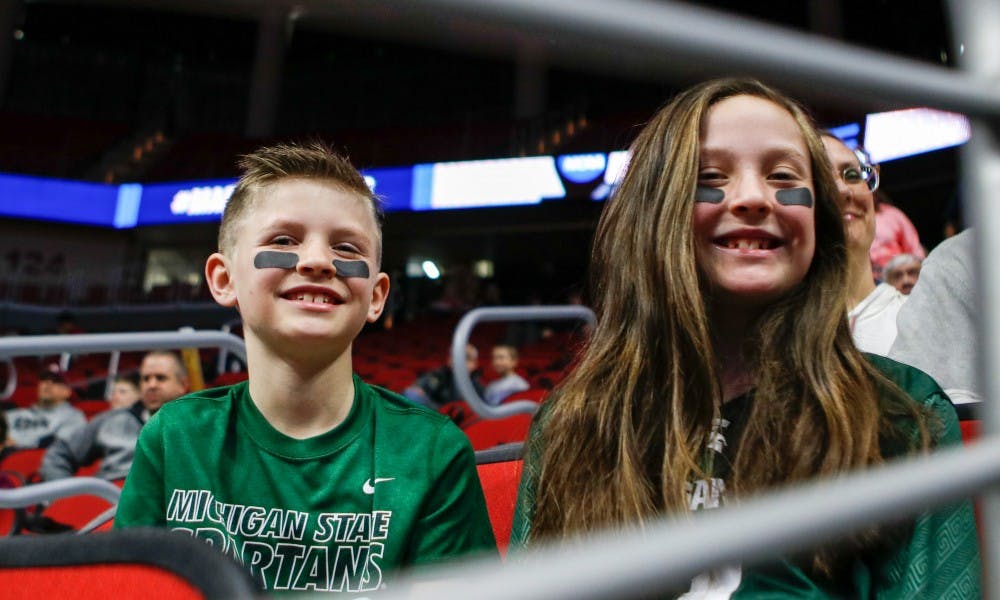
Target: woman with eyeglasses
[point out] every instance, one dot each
(872, 308)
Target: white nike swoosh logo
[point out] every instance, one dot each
(369, 487)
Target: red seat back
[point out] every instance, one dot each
(488, 433)
(970, 430)
(92, 408)
(26, 462)
(133, 563)
(500, 474)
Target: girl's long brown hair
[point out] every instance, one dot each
(625, 431)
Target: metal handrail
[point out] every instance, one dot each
(976, 23)
(48, 491)
(670, 551)
(106, 342)
(11, 383)
(116, 343)
(503, 313)
(663, 39)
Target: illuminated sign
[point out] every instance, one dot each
(582, 168)
(482, 183)
(901, 133)
(78, 202)
(184, 202)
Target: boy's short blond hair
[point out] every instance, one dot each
(271, 164)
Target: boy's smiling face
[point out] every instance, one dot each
(320, 222)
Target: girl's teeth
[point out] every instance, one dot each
(746, 244)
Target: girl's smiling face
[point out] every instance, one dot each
(753, 245)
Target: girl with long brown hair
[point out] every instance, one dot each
(722, 364)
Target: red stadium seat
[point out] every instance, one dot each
(133, 563)
(26, 462)
(77, 511)
(500, 474)
(229, 378)
(534, 395)
(24, 395)
(488, 433)
(92, 408)
(970, 430)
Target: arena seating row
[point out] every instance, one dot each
(156, 563)
(390, 358)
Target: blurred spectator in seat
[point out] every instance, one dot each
(871, 308)
(124, 393)
(508, 381)
(939, 324)
(37, 425)
(6, 444)
(66, 323)
(894, 233)
(112, 435)
(902, 272)
(437, 388)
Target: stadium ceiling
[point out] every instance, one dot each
(917, 31)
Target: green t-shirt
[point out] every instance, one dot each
(394, 485)
(940, 558)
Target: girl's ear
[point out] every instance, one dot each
(220, 281)
(379, 293)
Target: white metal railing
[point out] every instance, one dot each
(667, 39)
(502, 313)
(115, 343)
(48, 491)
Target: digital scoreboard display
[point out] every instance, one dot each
(429, 186)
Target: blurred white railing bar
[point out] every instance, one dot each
(663, 40)
(502, 313)
(670, 552)
(27, 345)
(976, 26)
(115, 343)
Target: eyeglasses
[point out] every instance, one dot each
(860, 175)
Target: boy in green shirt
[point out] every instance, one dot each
(311, 478)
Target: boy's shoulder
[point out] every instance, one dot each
(406, 420)
(397, 406)
(203, 402)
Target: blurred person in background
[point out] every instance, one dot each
(436, 388)
(902, 272)
(504, 361)
(124, 392)
(939, 324)
(38, 425)
(894, 232)
(872, 307)
(111, 436)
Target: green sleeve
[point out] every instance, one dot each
(941, 559)
(524, 511)
(453, 521)
(142, 499)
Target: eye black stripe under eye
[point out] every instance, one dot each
(351, 268)
(704, 193)
(795, 197)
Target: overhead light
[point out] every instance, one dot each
(483, 268)
(430, 269)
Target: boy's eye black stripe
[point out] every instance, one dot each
(273, 259)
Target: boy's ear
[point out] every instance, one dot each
(379, 293)
(219, 279)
